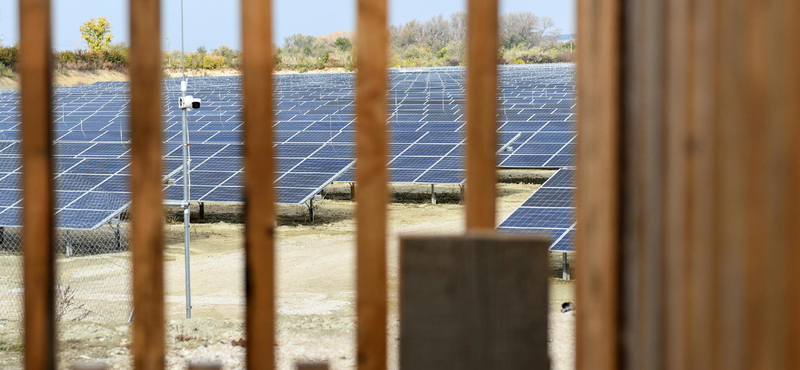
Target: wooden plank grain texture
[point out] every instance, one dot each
(35, 68)
(678, 205)
(147, 219)
(473, 302)
(599, 90)
(482, 45)
(259, 175)
(372, 37)
(313, 366)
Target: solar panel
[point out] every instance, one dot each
(549, 211)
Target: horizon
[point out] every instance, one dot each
(214, 26)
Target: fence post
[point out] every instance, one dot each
(597, 198)
(259, 192)
(482, 44)
(372, 180)
(38, 233)
(147, 219)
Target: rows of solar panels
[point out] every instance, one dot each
(314, 136)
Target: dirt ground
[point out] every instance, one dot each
(315, 282)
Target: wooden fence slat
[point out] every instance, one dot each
(313, 366)
(204, 366)
(678, 217)
(482, 45)
(598, 183)
(259, 176)
(147, 216)
(473, 302)
(372, 37)
(35, 67)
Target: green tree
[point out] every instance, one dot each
(343, 44)
(202, 50)
(97, 33)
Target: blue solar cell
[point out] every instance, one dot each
(442, 177)
(548, 149)
(335, 151)
(296, 150)
(561, 179)
(11, 217)
(100, 201)
(429, 149)
(11, 181)
(331, 166)
(561, 160)
(413, 162)
(404, 175)
(565, 243)
(9, 197)
(225, 194)
(552, 137)
(551, 197)
(81, 219)
(450, 163)
(551, 218)
(525, 161)
(93, 166)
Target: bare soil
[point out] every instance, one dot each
(315, 282)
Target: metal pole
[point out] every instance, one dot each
(565, 267)
(185, 203)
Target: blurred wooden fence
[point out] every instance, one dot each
(689, 170)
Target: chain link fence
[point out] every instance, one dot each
(93, 273)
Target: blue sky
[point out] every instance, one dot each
(212, 23)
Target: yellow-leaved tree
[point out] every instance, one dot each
(97, 33)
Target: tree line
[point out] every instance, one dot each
(440, 41)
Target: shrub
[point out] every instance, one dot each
(6, 71)
(213, 61)
(9, 56)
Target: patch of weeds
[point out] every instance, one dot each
(181, 335)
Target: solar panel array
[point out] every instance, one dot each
(314, 136)
(550, 211)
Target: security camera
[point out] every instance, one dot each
(188, 102)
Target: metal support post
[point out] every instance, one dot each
(69, 243)
(311, 210)
(565, 267)
(202, 212)
(352, 192)
(118, 236)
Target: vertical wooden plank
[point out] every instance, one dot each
(482, 45)
(703, 293)
(643, 165)
(598, 182)
(678, 205)
(35, 67)
(259, 177)
(312, 366)
(473, 302)
(372, 37)
(146, 185)
(204, 366)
